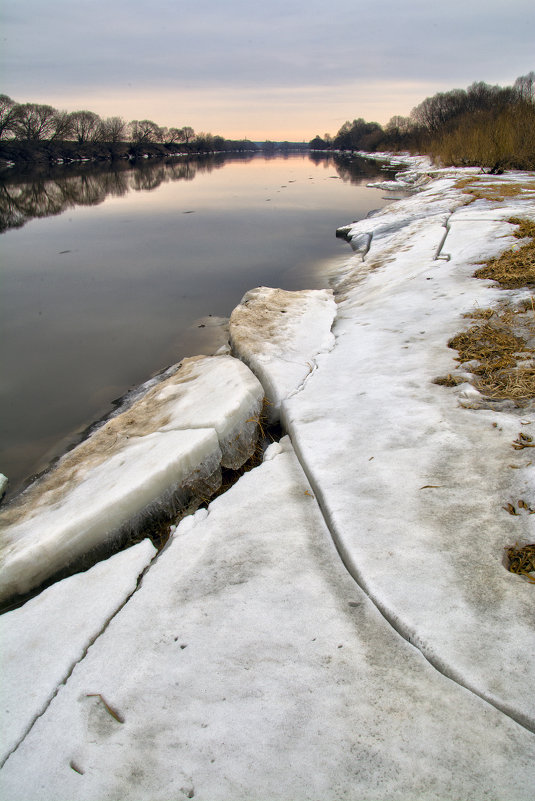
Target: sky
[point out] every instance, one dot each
(283, 70)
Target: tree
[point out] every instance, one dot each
(218, 144)
(204, 142)
(8, 116)
(358, 135)
(36, 122)
(434, 112)
(86, 126)
(524, 87)
(398, 125)
(145, 131)
(172, 136)
(187, 134)
(113, 129)
(318, 143)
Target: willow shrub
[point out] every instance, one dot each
(505, 139)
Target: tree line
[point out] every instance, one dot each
(487, 126)
(25, 128)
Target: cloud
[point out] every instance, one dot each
(86, 48)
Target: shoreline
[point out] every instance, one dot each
(346, 604)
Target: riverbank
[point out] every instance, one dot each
(245, 660)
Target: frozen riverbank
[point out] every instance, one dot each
(248, 662)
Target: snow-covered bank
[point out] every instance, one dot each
(412, 484)
(249, 663)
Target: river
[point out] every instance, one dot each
(108, 275)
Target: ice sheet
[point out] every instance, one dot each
(44, 639)
(250, 665)
(279, 335)
(165, 448)
(100, 501)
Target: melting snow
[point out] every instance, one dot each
(250, 663)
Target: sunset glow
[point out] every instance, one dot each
(287, 73)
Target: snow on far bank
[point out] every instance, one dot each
(45, 638)
(249, 665)
(279, 335)
(164, 451)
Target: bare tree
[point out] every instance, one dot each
(8, 116)
(434, 112)
(173, 135)
(524, 86)
(398, 125)
(36, 122)
(145, 131)
(187, 134)
(61, 126)
(113, 129)
(86, 126)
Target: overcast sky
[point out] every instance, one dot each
(278, 69)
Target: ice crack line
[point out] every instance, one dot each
(81, 658)
(445, 670)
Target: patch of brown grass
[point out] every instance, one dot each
(517, 384)
(480, 314)
(505, 364)
(516, 267)
(493, 347)
(485, 188)
(522, 560)
(448, 380)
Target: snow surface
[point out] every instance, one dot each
(250, 665)
(168, 445)
(45, 638)
(250, 662)
(412, 484)
(279, 334)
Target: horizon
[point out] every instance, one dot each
(284, 74)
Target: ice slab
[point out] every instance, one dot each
(412, 483)
(100, 501)
(250, 665)
(279, 335)
(217, 392)
(45, 638)
(163, 451)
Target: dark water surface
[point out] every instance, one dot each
(111, 288)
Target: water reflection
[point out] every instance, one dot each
(43, 193)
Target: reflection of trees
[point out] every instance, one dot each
(351, 169)
(43, 193)
(355, 169)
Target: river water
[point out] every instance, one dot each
(110, 275)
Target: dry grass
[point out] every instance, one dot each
(504, 362)
(480, 314)
(487, 188)
(516, 267)
(522, 560)
(448, 380)
(492, 346)
(498, 343)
